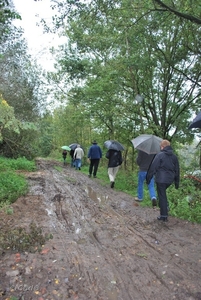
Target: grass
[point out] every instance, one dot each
(13, 185)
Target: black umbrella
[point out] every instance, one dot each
(111, 144)
(196, 123)
(148, 143)
(73, 146)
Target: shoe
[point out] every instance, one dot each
(112, 184)
(137, 199)
(164, 219)
(89, 175)
(79, 168)
(154, 202)
(95, 176)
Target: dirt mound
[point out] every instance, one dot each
(104, 245)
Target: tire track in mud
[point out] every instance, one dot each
(111, 252)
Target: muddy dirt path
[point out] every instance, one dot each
(104, 247)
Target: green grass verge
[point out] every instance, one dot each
(13, 185)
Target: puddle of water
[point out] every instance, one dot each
(95, 196)
(81, 241)
(112, 295)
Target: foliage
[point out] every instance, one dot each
(7, 118)
(43, 139)
(6, 14)
(117, 50)
(13, 185)
(19, 239)
(13, 132)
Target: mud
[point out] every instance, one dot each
(104, 245)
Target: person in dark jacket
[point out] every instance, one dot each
(115, 160)
(72, 157)
(64, 154)
(165, 168)
(94, 156)
(144, 160)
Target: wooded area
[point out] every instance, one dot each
(114, 52)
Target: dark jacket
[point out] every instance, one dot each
(165, 167)
(115, 158)
(64, 153)
(144, 160)
(94, 152)
(72, 153)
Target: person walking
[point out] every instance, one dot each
(165, 168)
(144, 160)
(115, 160)
(72, 151)
(78, 155)
(64, 154)
(94, 156)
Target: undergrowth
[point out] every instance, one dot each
(19, 239)
(13, 185)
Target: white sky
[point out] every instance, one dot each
(31, 12)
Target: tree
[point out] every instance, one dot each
(180, 14)
(118, 49)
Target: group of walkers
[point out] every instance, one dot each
(161, 168)
(94, 155)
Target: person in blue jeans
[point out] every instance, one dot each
(94, 156)
(78, 155)
(144, 160)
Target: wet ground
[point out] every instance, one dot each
(104, 245)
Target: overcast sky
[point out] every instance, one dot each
(31, 12)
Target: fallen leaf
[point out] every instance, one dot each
(37, 292)
(45, 251)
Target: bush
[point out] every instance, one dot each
(12, 186)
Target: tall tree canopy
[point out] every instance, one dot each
(119, 49)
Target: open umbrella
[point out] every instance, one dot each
(196, 123)
(66, 148)
(73, 146)
(148, 143)
(111, 144)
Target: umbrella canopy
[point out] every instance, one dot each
(66, 148)
(148, 143)
(73, 146)
(110, 144)
(196, 123)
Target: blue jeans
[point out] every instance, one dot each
(77, 163)
(72, 162)
(141, 179)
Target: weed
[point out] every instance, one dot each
(58, 168)
(19, 239)
(13, 185)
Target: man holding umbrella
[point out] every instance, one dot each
(148, 145)
(144, 160)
